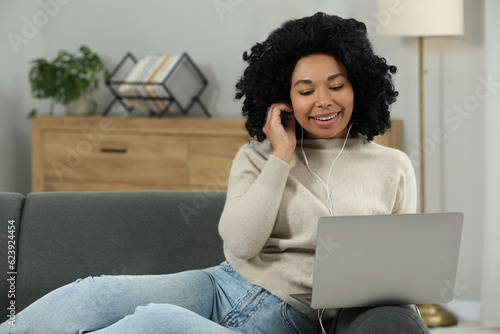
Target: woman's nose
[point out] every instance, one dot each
(323, 99)
(324, 103)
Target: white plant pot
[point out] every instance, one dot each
(81, 106)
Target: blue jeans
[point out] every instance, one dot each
(214, 300)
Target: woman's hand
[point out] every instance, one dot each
(282, 138)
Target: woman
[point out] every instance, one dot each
(321, 73)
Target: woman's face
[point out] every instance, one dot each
(322, 97)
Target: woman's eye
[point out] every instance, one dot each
(336, 87)
(309, 92)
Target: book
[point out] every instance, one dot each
(127, 89)
(144, 84)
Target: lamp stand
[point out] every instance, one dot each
(433, 315)
(421, 120)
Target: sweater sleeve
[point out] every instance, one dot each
(255, 188)
(406, 196)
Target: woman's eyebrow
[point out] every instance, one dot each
(330, 78)
(308, 82)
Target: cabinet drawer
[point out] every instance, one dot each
(143, 158)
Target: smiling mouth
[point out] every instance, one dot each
(327, 118)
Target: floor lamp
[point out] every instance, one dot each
(423, 18)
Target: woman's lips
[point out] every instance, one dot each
(325, 120)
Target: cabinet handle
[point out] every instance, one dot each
(114, 150)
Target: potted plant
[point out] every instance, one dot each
(69, 79)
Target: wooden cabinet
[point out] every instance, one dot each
(139, 153)
(133, 153)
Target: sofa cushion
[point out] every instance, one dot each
(71, 235)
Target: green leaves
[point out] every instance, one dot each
(67, 77)
(32, 113)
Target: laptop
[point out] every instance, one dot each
(385, 260)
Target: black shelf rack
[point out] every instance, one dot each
(185, 74)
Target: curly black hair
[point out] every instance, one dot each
(267, 78)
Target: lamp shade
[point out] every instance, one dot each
(421, 17)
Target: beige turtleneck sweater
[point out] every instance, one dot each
(272, 208)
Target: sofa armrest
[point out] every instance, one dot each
(11, 206)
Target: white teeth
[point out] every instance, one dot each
(325, 118)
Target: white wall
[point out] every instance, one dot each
(216, 33)
(490, 312)
(15, 100)
(455, 106)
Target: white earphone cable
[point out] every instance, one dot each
(328, 194)
(326, 185)
(320, 316)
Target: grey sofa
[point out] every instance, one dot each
(60, 237)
